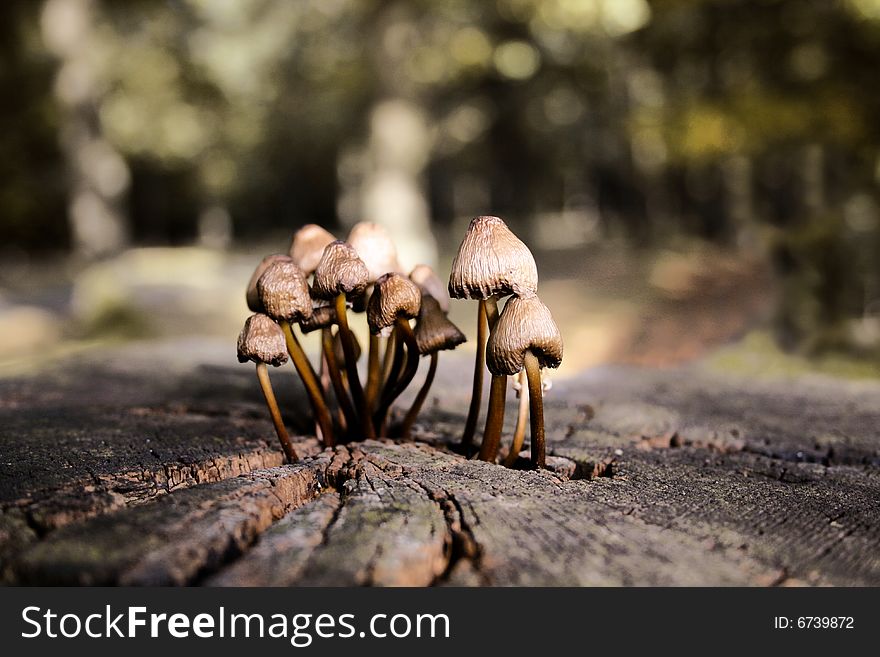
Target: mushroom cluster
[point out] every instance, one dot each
(318, 286)
(493, 263)
(323, 282)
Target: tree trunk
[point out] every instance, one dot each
(98, 175)
(666, 477)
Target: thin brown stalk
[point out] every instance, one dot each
(354, 380)
(310, 382)
(275, 412)
(415, 409)
(494, 419)
(374, 373)
(519, 433)
(406, 337)
(536, 396)
(470, 425)
(339, 387)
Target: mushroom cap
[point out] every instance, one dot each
(429, 283)
(525, 324)
(252, 296)
(262, 341)
(394, 295)
(308, 246)
(323, 315)
(492, 261)
(340, 271)
(375, 247)
(284, 292)
(434, 331)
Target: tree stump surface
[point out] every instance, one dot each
(157, 465)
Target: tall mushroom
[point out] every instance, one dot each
(376, 248)
(434, 333)
(306, 249)
(395, 300)
(341, 275)
(262, 342)
(308, 246)
(284, 294)
(527, 337)
(491, 262)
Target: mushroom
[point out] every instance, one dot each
(341, 275)
(526, 337)
(491, 262)
(306, 249)
(323, 316)
(395, 300)
(308, 246)
(252, 296)
(376, 248)
(429, 283)
(284, 293)
(262, 342)
(434, 332)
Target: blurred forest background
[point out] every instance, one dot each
(695, 176)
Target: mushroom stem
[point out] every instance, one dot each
(310, 381)
(536, 397)
(491, 308)
(326, 382)
(354, 381)
(520, 433)
(415, 409)
(324, 379)
(374, 373)
(394, 389)
(387, 359)
(497, 395)
(395, 347)
(494, 419)
(272, 403)
(339, 388)
(470, 426)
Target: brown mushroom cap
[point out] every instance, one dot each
(261, 341)
(393, 296)
(284, 292)
(525, 324)
(340, 271)
(252, 296)
(375, 247)
(430, 283)
(323, 315)
(434, 331)
(308, 246)
(492, 261)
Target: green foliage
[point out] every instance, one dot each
(663, 118)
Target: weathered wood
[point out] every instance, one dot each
(678, 477)
(179, 536)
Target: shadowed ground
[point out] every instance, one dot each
(156, 464)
